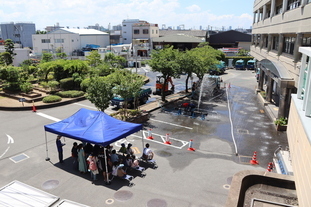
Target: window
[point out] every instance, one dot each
(275, 43)
(124, 38)
(152, 31)
(59, 40)
(288, 45)
(279, 9)
(145, 31)
(306, 41)
(124, 25)
(292, 4)
(45, 40)
(265, 45)
(136, 31)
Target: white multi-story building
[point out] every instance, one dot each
(127, 30)
(299, 131)
(143, 33)
(280, 27)
(69, 41)
(281, 36)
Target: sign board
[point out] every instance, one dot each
(22, 100)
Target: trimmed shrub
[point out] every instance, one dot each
(70, 94)
(51, 99)
(26, 87)
(67, 84)
(85, 83)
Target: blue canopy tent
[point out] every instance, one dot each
(95, 127)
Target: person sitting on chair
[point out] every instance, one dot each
(147, 153)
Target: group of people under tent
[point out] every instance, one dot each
(92, 158)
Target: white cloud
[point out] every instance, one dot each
(193, 8)
(84, 13)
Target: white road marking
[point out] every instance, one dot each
(10, 139)
(5, 151)
(171, 124)
(184, 143)
(48, 116)
(92, 107)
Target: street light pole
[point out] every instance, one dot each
(136, 60)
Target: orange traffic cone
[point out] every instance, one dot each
(254, 161)
(149, 134)
(34, 107)
(270, 167)
(167, 139)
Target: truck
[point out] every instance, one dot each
(218, 68)
(239, 64)
(250, 65)
(143, 96)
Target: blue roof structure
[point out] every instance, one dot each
(95, 127)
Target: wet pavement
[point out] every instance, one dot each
(183, 178)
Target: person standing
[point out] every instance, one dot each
(60, 145)
(74, 155)
(81, 159)
(92, 160)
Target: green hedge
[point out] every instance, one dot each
(67, 84)
(70, 94)
(51, 99)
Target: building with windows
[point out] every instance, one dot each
(280, 27)
(19, 32)
(143, 33)
(127, 30)
(70, 41)
(299, 132)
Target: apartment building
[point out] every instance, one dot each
(19, 32)
(280, 27)
(143, 33)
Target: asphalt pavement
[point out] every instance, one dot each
(225, 140)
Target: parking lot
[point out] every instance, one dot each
(224, 143)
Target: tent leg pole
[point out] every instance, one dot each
(106, 166)
(46, 148)
(142, 138)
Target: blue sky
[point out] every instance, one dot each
(82, 13)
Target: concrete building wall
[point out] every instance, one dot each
(127, 33)
(300, 150)
(101, 40)
(21, 55)
(71, 42)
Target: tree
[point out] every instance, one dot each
(46, 57)
(127, 85)
(114, 61)
(186, 61)
(206, 58)
(99, 92)
(94, 58)
(8, 56)
(243, 52)
(61, 55)
(165, 61)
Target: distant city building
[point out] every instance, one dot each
(231, 38)
(52, 28)
(143, 33)
(127, 30)
(19, 32)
